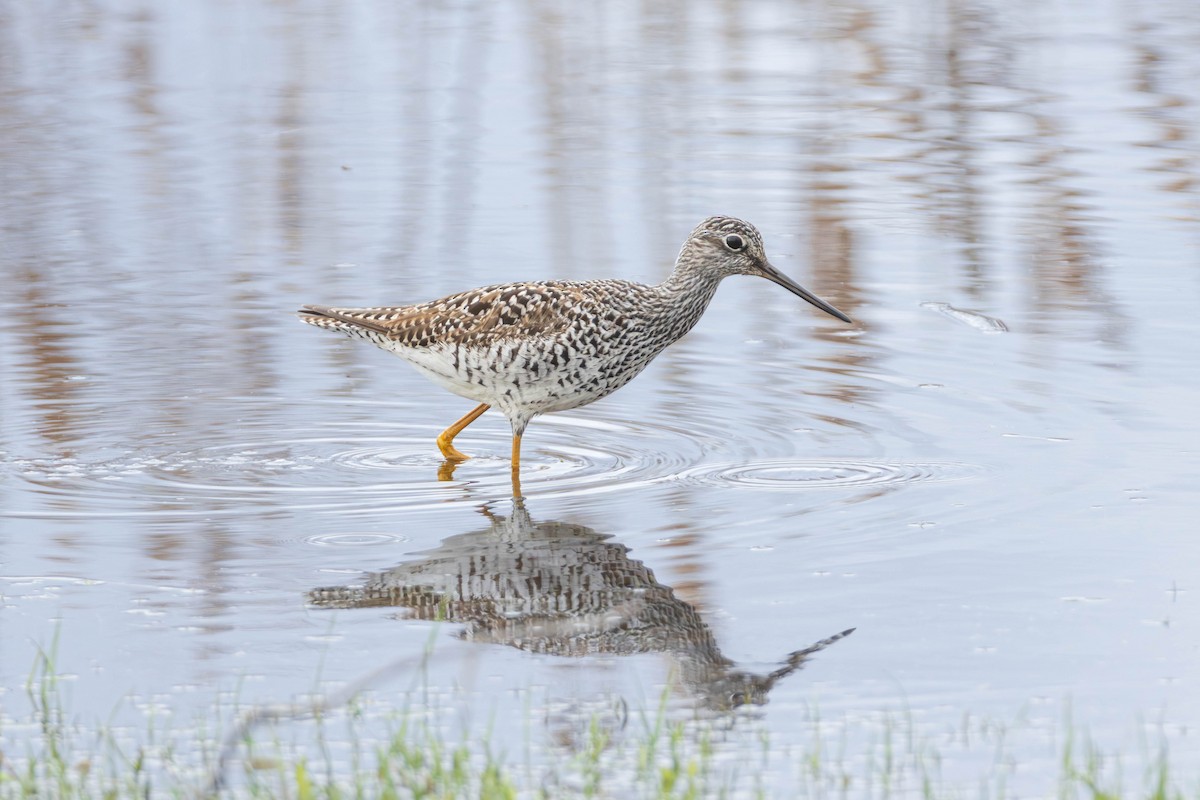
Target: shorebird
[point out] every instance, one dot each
(536, 347)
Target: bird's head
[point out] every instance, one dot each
(725, 246)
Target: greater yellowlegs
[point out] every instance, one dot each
(541, 346)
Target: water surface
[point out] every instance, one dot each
(991, 475)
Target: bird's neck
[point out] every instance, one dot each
(686, 293)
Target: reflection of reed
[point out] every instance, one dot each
(1064, 250)
(562, 589)
(1173, 113)
(47, 353)
(1062, 237)
(44, 356)
(935, 118)
(574, 77)
(463, 167)
(944, 124)
(292, 145)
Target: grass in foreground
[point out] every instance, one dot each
(651, 754)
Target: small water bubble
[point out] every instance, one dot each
(761, 548)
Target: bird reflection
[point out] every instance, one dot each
(563, 589)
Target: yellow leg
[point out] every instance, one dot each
(446, 439)
(516, 465)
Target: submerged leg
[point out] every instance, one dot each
(516, 465)
(518, 429)
(446, 439)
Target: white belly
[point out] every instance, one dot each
(524, 378)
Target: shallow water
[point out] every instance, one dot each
(991, 475)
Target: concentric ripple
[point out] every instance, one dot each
(348, 467)
(794, 474)
(357, 461)
(297, 472)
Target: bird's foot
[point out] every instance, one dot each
(448, 449)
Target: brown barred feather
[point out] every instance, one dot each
(491, 313)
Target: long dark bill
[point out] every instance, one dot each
(775, 276)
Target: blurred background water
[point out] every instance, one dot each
(992, 475)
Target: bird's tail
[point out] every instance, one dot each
(341, 318)
(356, 322)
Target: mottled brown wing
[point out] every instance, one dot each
(509, 311)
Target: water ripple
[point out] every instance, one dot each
(357, 465)
(794, 474)
(296, 472)
(349, 467)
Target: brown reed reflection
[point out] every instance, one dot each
(563, 589)
(1171, 112)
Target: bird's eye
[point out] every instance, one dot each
(734, 242)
